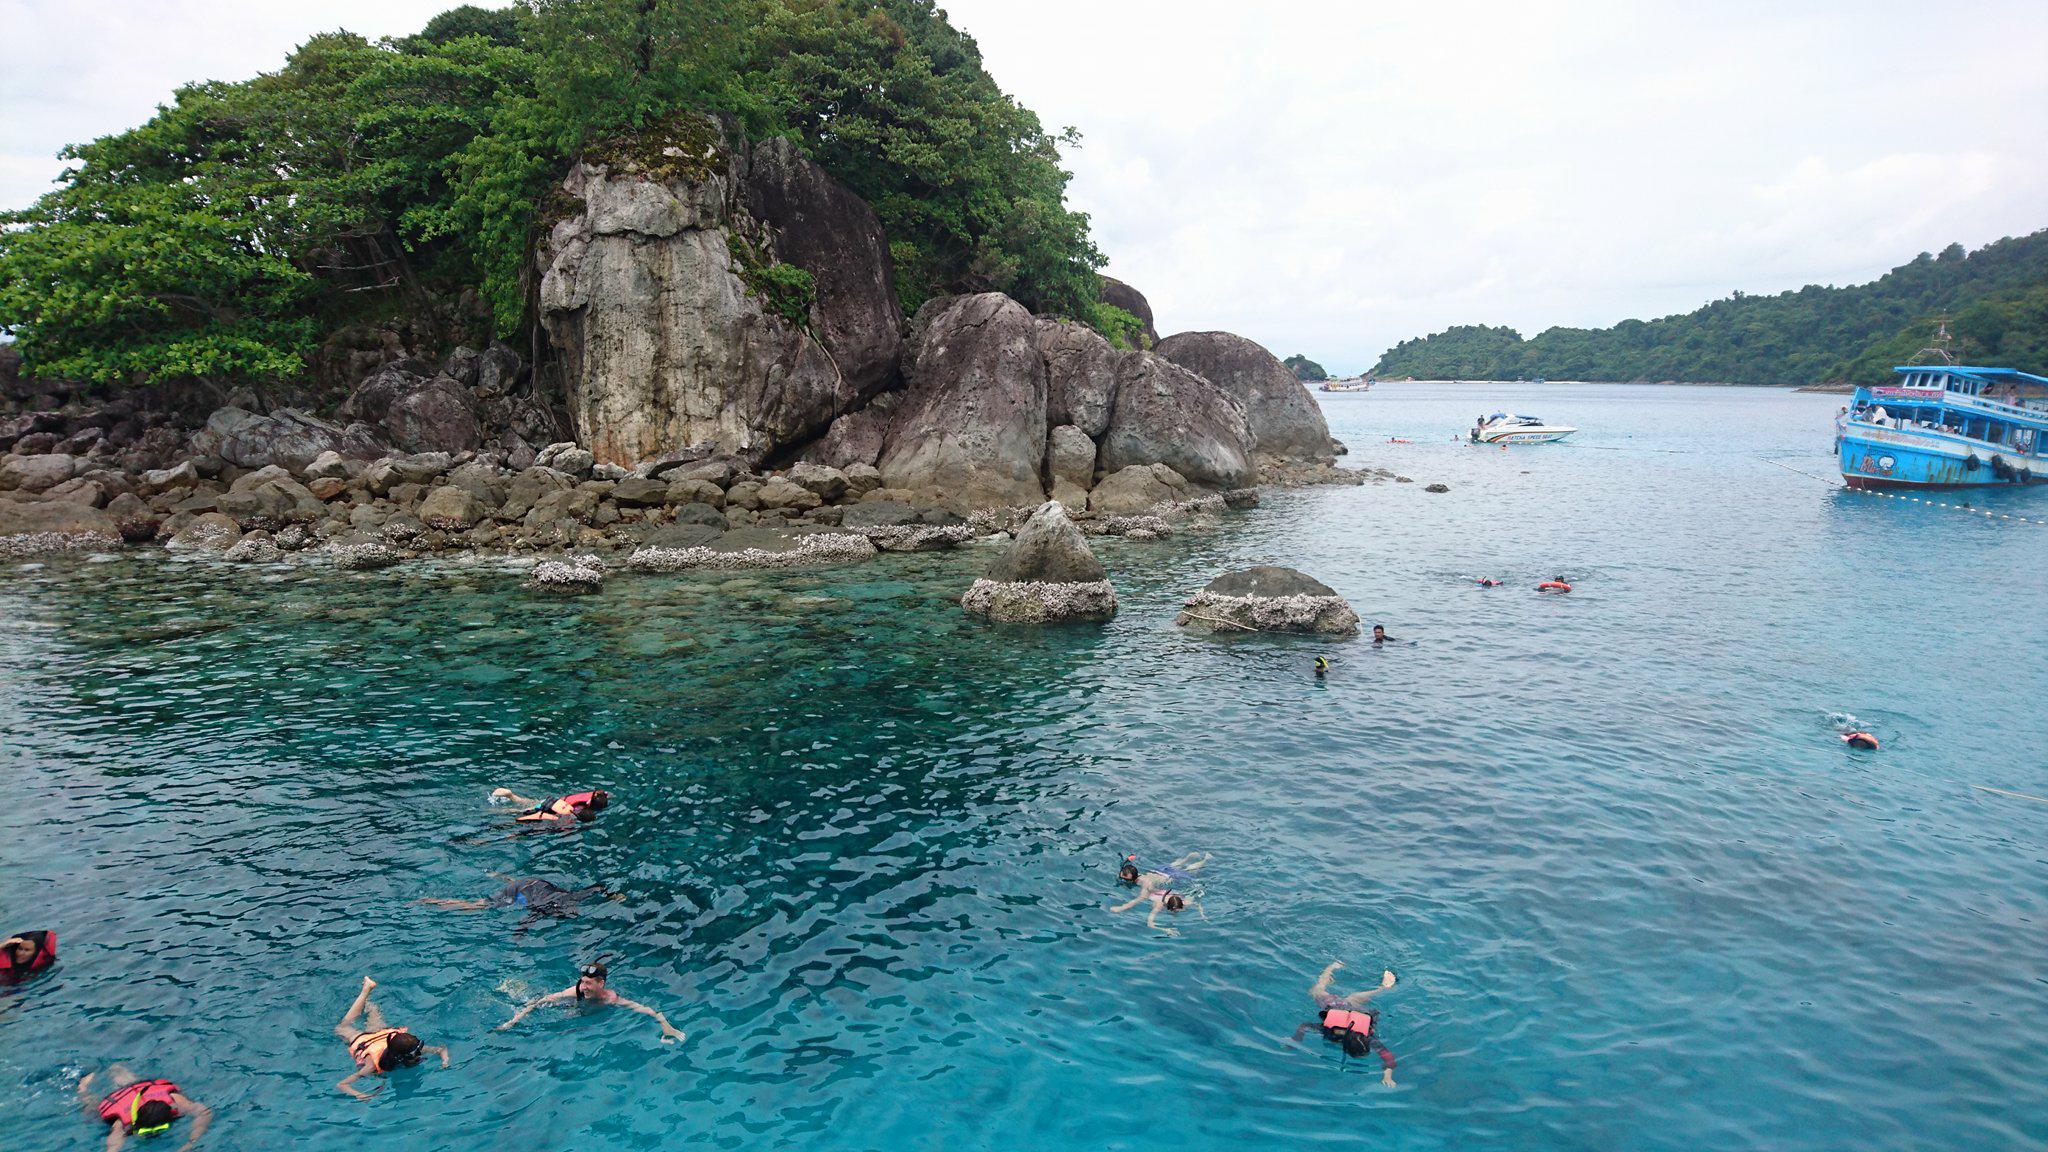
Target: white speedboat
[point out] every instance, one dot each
(1508, 428)
(1361, 384)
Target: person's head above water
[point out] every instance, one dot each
(154, 1118)
(1378, 632)
(1173, 902)
(403, 1048)
(590, 981)
(1128, 873)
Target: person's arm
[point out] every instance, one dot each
(530, 1005)
(116, 1136)
(85, 1092)
(1302, 1029)
(348, 1084)
(201, 1116)
(1152, 920)
(1127, 905)
(668, 1031)
(437, 1050)
(1386, 1062)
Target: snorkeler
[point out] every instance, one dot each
(1554, 584)
(538, 897)
(1488, 582)
(1346, 1021)
(590, 989)
(1181, 871)
(579, 806)
(26, 953)
(138, 1107)
(1860, 740)
(1163, 900)
(377, 1047)
(1322, 667)
(1379, 635)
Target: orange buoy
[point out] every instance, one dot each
(1553, 586)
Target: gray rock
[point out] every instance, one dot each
(685, 535)
(257, 479)
(580, 575)
(30, 527)
(567, 458)
(1040, 603)
(133, 518)
(1268, 599)
(757, 548)
(972, 422)
(1080, 375)
(880, 514)
(720, 471)
(701, 514)
(330, 465)
(481, 480)
(255, 548)
(525, 489)
(634, 492)
(683, 492)
(1285, 419)
(566, 504)
(79, 490)
(862, 479)
(498, 370)
(857, 439)
(1121, 295)
(744, 494)
(207, 532)
(1436, 488)
(1166, 414)
(779, 492)
(1138, 489)
(1048, 550)
(420, 467)
(363, 555)
(826, 482)
(183, 474)
(450, 509)
(288, 438)
(440, 416)
(1070, 465)
(36, 473)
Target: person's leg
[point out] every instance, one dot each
(122, 1077)
(373, 1020)
(1321, 987)
(513, 797)
(347, 1029)
(463, 905)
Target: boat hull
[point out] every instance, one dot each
(1897, 458)
(1547, 436)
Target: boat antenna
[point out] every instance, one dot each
(1941, 349)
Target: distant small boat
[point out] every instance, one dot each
(1507, 428)
(1355, 384)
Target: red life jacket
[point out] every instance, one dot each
(46, 955)
(556, 809)
(120, 1106)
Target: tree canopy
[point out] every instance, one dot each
(224, 238)
(1995, 300)
(1305, 369)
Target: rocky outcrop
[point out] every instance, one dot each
(1121, 295)
(1137, 489)
(1069, 466)
(1285, 420)
(970, 428)
(1268, 599)
(287, 438)
(1168, 415)
(1047, 575)
(675, 326)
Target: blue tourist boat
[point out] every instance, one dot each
(1946, 426)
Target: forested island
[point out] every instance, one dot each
(1994, 299)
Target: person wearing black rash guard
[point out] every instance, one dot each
(1347, 1022)
(537, 897)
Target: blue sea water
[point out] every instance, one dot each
(1638, 894)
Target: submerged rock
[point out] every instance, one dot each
(1047, 575)
(363, 556)
(577, 576)
(1269, 599)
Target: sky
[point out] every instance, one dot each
(1330, 178)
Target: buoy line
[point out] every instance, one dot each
(1931, 503)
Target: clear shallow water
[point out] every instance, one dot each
(1638, 894)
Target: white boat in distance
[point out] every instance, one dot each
(1357, 384)
(1506, 428)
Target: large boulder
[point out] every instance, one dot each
(1080, 375)
(1047, 575)
(287, 438)
(676, 329)
(1168, 415)
(1137, 489)
(28, 527)
(36, 473)
(1268, 599)
(1285, 419)
(971, 425)
(1069, 465)
(1118, 294)
(822, 227)
(439, 417)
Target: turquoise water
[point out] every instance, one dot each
(1638, 894)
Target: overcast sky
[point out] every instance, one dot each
(1330, 178)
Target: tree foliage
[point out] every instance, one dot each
(1995, 299)
(223, 239)
(1305, 369)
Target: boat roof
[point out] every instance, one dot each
(1985, 374)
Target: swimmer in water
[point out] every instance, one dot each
(1181, 871)
(577, 807)
(1379, 635)
(25, 954)
(377, 1047)
(138, 1107)
(1162, 900)
(1322, 667)
(1488, 582)
(1345, 1020)
(537, 897)
(1860, 740)
(590, 989)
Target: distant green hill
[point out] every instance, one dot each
(1996, 300)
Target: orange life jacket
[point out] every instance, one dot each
(560, 809)
(123, 1104)
(1339, 1021)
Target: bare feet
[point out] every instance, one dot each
(369, 985)
(500, 793)
(1387, 978)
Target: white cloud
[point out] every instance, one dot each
(1333, 177)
